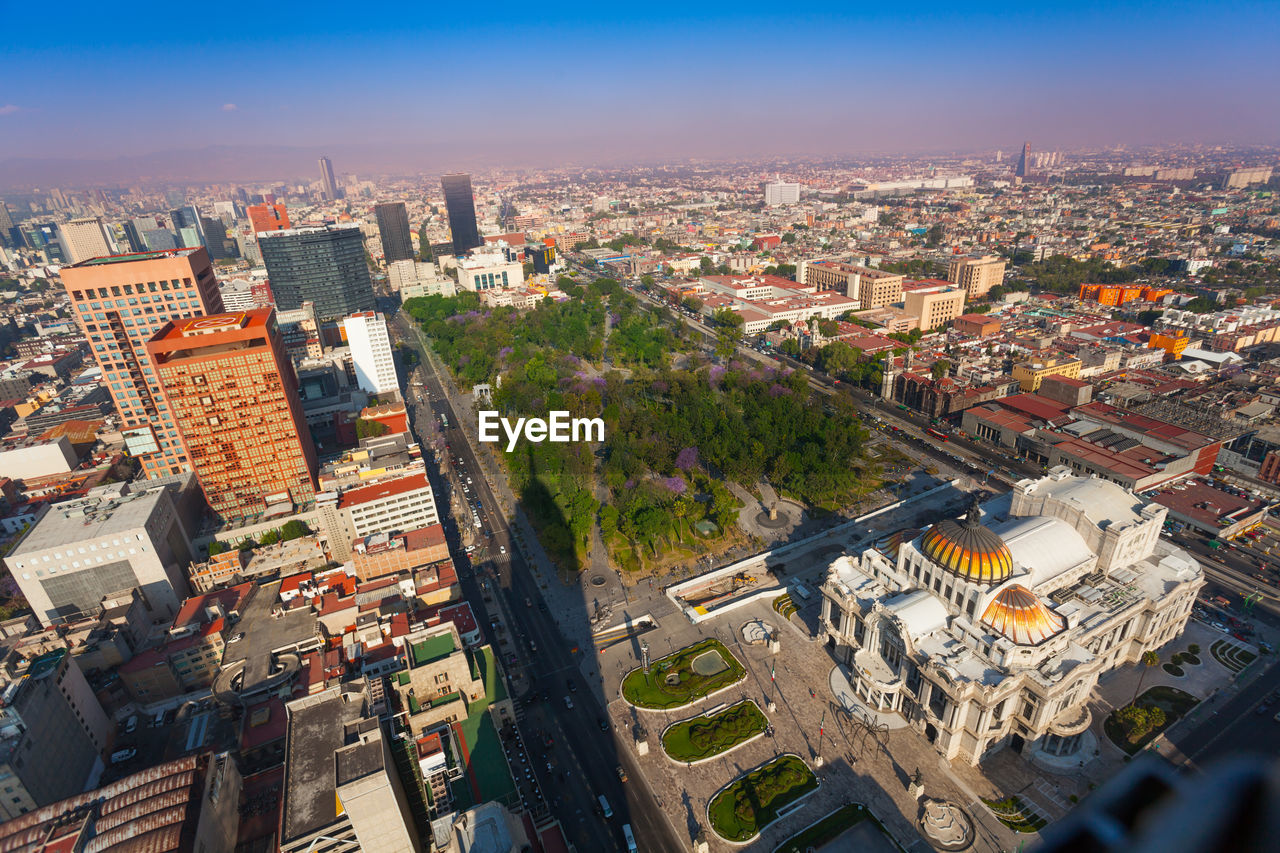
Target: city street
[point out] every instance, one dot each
(584, 757)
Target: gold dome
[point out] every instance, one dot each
(1016, 614)
(967, 549)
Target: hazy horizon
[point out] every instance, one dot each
(389, 92)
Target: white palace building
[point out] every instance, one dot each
(994, 629)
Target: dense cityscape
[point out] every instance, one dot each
(637, 496)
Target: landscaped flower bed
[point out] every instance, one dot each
(675, 680)
(749, 804)
(704, 737)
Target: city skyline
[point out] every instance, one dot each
(703, 76)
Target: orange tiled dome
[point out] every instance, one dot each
(1016, 614)
(968, 549)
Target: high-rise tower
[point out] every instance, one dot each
(120, 302)
(325, 265)
(393, 229)
(461, 207)
(234, 397)
(327, 182)
(1024, 162)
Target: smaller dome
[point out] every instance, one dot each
(1016, 614)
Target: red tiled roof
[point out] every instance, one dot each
(378, 491)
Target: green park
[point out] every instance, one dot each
(710, 735)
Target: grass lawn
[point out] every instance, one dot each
(703, 737)
(829, 828)
(1174, 702)
(1230, 655)
(671, 681)
(738, 812)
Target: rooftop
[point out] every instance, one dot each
(316, 732)
(105, 511)
(136, 256)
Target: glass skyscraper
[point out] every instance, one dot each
(324, 265)
(461, 207)
(393, 228)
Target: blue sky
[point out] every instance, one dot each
(590, 82)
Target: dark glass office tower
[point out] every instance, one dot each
(323, 265)
(461, 206)
(393, 228)
(133, 237)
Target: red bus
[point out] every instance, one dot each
(941, 436)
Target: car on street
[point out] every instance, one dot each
(604, 724)
(622, 774)
(502, 549)
(568, 703)
(122, 755)
(571, 684)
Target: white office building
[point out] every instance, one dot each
(116, 538)
(779, 193)
(489, 271)
(371, 352)
(83, 239)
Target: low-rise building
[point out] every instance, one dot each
(1030, 374)
(191, 803)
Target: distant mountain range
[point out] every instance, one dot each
(254, 163)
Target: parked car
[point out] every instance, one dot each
(122, 755)
(622, 774)
(568, 703)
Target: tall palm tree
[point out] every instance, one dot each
(1149, 659)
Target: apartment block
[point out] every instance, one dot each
(934, 303)
(977, 275)
(877, 288)
(121, 302)
(391, 506)
(371, 352)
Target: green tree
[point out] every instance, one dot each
(271, 537)
(940, 368)
(1149, 659)
(366, 428)
(293, 529)
(935, 235)
(789, 237)
(646, 281)
(706, 265)
(216, 548)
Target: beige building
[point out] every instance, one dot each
(342, 791)
(1030, 374)
(441, 679)
(976, 275)
(83, 239)
(934, 306)
(877, 288)
(993, 630)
